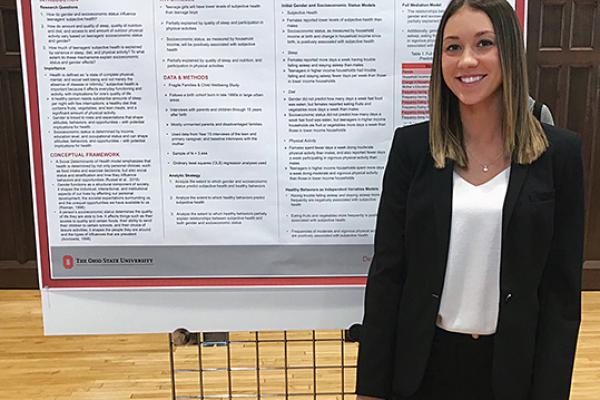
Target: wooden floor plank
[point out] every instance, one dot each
(115, 367)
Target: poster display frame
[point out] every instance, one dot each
(144, 305)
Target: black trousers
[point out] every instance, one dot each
(459, 368)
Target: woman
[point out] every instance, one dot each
(474, 289)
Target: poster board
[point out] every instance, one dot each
(214, 165)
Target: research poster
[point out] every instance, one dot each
(217, 142)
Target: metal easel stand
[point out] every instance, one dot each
(219, 365)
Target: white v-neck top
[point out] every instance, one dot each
(471, 294)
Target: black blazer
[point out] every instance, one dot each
(540, 277)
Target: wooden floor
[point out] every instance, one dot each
(137, 366)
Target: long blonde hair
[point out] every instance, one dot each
(524, 138)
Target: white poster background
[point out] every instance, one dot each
(377, 69)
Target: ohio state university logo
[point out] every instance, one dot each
(68, 262)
